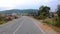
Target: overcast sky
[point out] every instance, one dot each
(27, 4)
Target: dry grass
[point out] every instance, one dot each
(50, 23)
(55, 28)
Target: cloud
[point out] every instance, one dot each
(15, 3)
(12, 4)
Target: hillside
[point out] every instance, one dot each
(18, 11)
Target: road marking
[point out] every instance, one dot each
(18, 27)
(38, 27)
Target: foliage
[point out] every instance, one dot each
(57, 21)
(53, 21)
(44, 12)
(2, 20)
(58, 11)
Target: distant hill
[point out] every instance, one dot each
(18, 11)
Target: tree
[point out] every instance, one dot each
(58, 11)
(58, 19)
(44, 10)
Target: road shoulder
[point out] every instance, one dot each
(9, 22)
(44, 27)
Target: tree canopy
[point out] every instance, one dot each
(58, 11)
(44, 10)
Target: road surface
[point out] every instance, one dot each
(23, 25)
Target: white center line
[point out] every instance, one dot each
(18, 27)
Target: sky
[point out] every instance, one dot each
(27, 4)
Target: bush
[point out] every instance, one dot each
(40, 17)
(48, 21)
(2, 20)
(54, 21)
(57, 21)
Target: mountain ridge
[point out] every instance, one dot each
(18, 11)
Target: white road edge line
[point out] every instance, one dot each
(18, 27)
(39, 27)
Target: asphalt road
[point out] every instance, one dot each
(23, 25)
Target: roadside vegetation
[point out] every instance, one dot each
(5, 18)
(50, 18)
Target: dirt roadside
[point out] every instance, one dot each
(47, 29)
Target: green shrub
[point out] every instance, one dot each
(2, 20)
(48, 21)
(40, 17)
(54, 21)
(57, 21)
